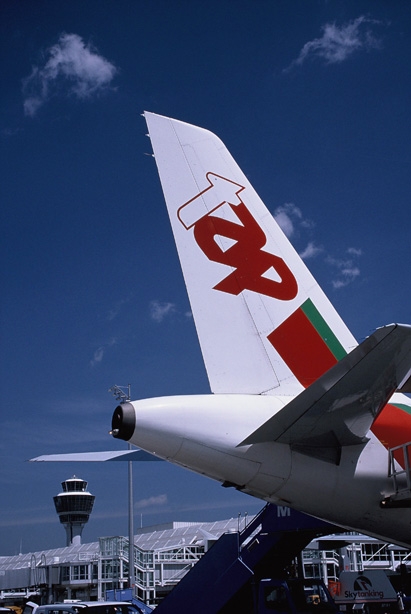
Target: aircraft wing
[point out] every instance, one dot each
(111, 455)
(339, 408)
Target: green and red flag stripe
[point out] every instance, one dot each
(309, 348)
(307, 344)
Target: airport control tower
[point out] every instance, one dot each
(74, 506)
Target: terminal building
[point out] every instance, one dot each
(163, 555)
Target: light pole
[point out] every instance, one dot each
(120, 395)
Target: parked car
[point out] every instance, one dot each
(88, 607)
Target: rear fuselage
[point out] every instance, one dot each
(202, 433)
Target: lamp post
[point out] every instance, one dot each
(122, 396)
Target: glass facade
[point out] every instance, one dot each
(155, 571)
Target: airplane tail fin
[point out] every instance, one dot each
(264, 324)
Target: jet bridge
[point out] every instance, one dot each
(224, 579)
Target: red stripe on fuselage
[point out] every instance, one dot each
(393, 428)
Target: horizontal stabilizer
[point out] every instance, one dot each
(111, 455)
(339, 408)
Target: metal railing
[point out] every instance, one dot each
(400, 470)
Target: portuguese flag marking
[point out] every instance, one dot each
(307, 344)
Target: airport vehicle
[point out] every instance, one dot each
(89, 607)
(294, 596)
(300, 415)
(30, 607)
(370, 591)
(127, 594)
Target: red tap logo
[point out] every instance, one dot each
(250, 262)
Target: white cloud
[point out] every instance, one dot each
(289, 217)
(285, 223)
(286, 216)
(159, 311)
(311, 251)
(347, 269)
(346, 277)
(113, 313)
(354, 251)
(70, 62)
(158, 500)
(292, 222)
(98, 355)
(340, 42)
(100, 352)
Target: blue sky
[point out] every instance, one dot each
(312, 98)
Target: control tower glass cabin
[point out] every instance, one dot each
(74, 506)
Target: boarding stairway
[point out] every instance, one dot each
(400, 472)
(263, 549)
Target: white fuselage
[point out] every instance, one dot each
(203, 433)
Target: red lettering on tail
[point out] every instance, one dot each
(245, 256)
(250, 262)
